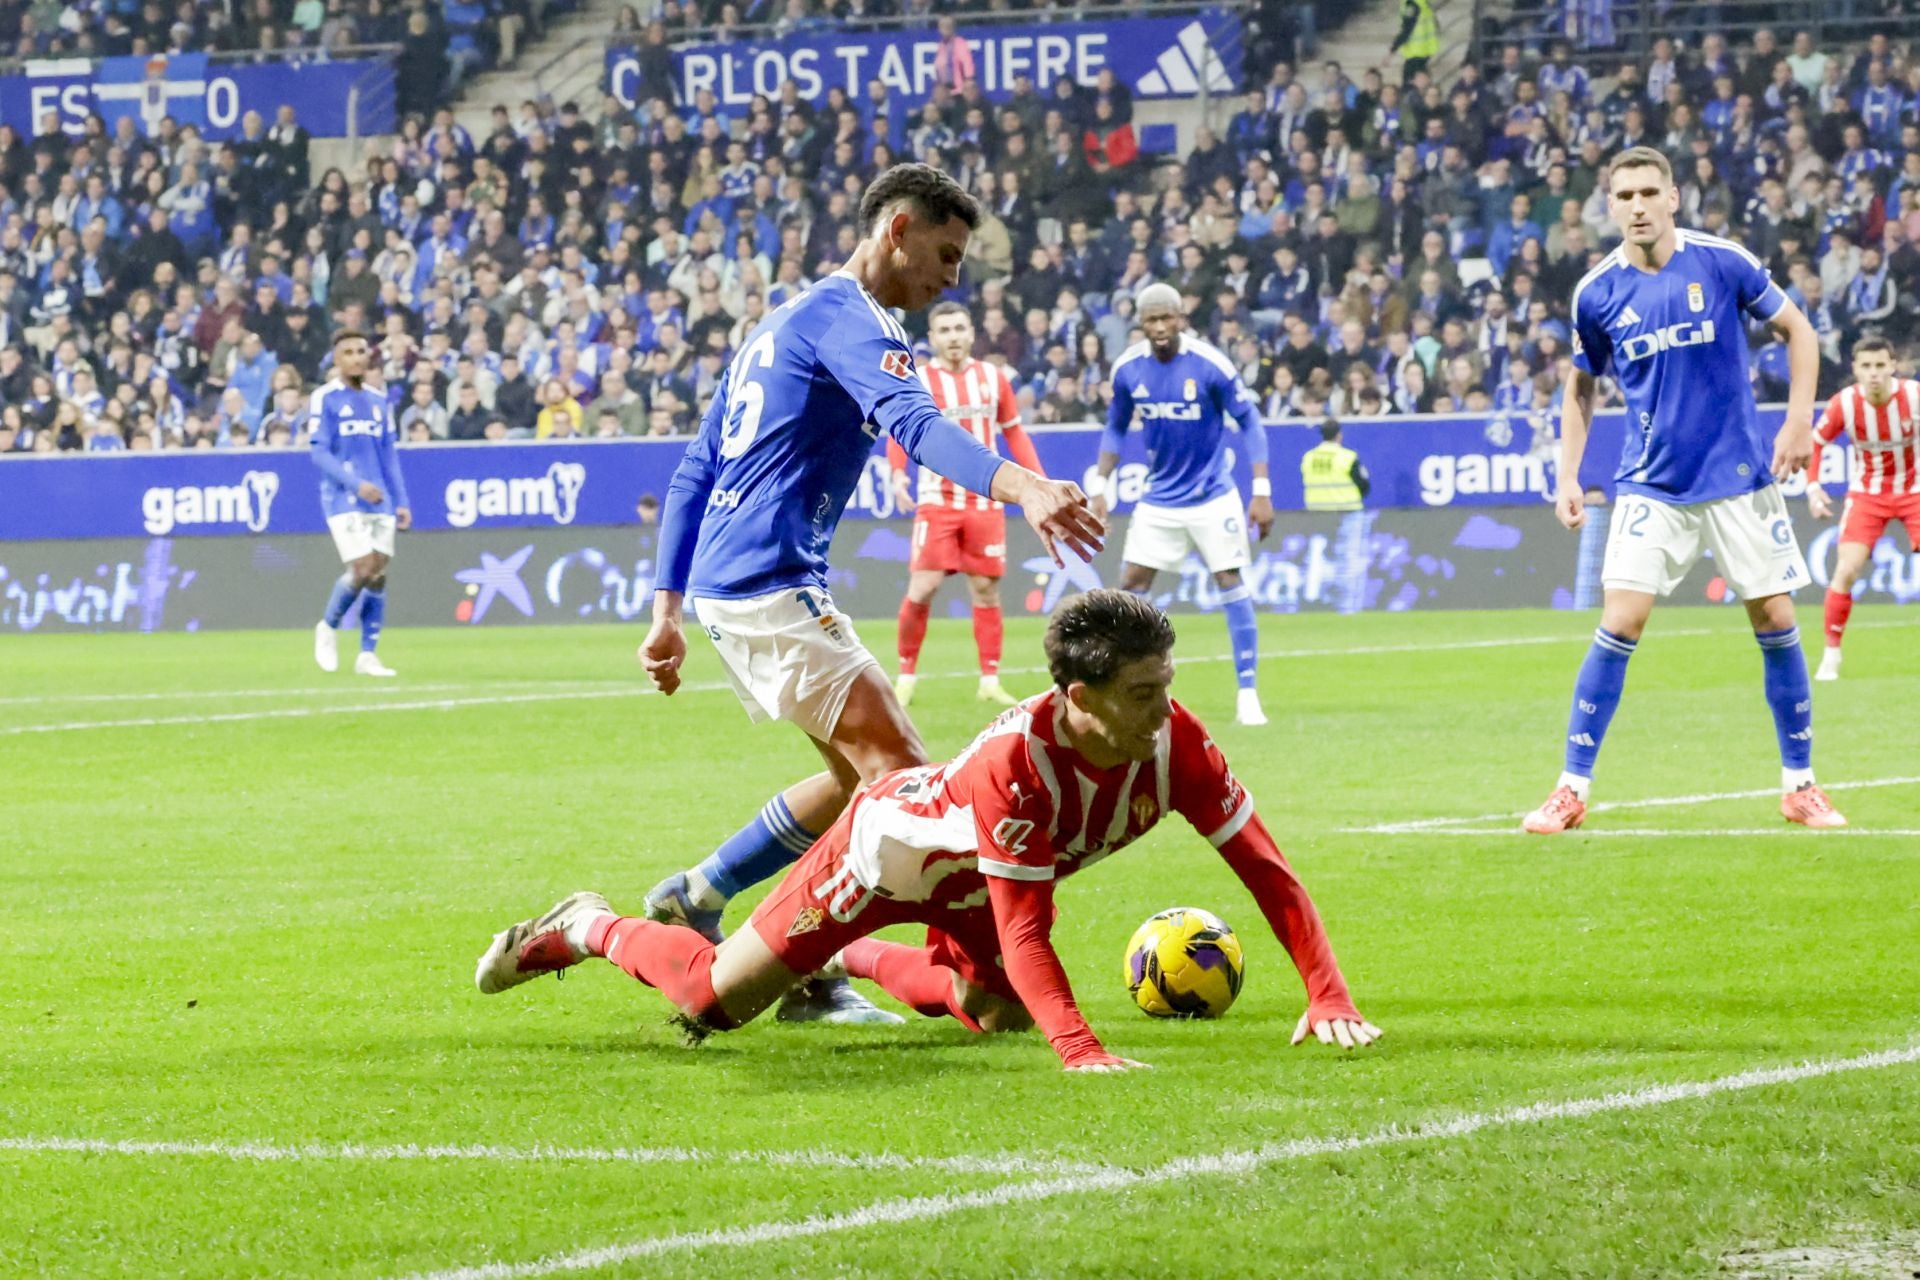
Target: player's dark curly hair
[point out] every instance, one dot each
(1093, 635)
(934, 196)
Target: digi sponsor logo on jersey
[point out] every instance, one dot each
(1684, 334)
(166, 507)
(555, 495)
(1161, 411)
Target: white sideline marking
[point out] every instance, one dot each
(921, 1208)
(1431, 826)
(620, 691)
(297, 713)
(360, 687)
(1784, 829)
(445, 704)
(320, 1151)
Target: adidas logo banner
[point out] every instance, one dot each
(1170, 57)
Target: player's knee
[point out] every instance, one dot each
(1000, 1016)
(984, 590)
(378, 582)
(988, 1012)
(1227, 579)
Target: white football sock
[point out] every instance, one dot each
(1794, 779)
(1579, 784)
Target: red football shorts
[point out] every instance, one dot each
(960, 541)
(818, 909)
(1868, 515)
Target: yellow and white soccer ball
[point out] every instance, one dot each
(1184, 963)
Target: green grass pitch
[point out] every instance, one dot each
(241, 907)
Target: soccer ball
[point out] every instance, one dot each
(1184, 963)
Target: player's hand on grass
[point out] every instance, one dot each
(1344, 1027)
(662, 652)
(1819, 506)
(1059, 512)
(1792, 448)
(1260, 517)
(403, 518)
(1571, 507)
(1104, 1062)
(371, 492)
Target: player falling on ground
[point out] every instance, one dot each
(751, 511)
(1666, 311)
(954, 530)
(1185, 389)
(1880, 414)
(972, 849)
(356, 447)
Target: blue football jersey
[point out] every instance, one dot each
(1676, 341)
(355, 439)
(755, 501)
(1185, 403)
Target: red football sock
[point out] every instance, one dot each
(913, 633)
(988, 631)
(1839, 607)
(676, 961)
(908, 975)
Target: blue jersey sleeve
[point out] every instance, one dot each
(1592, 347)
(687, 495)
(1119, 417)
(1759, 296)
(390, 462)
(1234, 401)
(322, 447)
(871, 362)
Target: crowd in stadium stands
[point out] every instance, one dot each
(441, 41)
(1357, 246)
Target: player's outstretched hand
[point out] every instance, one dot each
(1353, 1032)
(1107, 1062)
(1571, 507)
(1819, 506)
(1260, 517)
(662, 652)
(1060, 514)
(1792, 449)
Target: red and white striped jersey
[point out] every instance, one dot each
(1021, 804)
(1886, 438)
(980, 399)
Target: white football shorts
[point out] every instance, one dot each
(356, 533)
(790, 655)
(1651, 545)
(1158, 537)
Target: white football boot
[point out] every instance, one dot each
(326, 647)
(546, 944)
(1829, 665)
(368, 664)
(1248, 710)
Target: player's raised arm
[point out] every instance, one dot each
(871, 361)
(1206, 789)
(665, 647)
